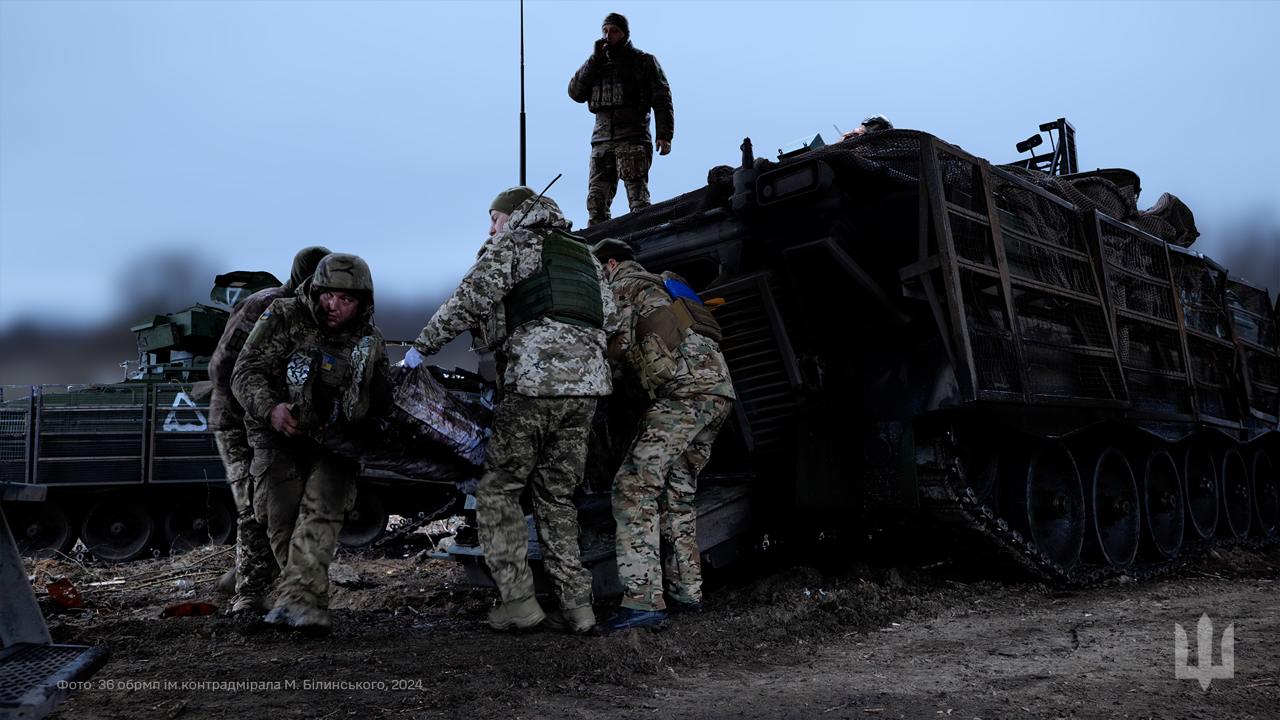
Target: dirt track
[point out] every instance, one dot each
(795, 644)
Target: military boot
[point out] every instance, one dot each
(516, 615)
(305, 619)
(577, 621)
(247, 603)
(227, 583)
(628, 618)
(680, 606)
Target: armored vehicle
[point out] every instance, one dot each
(131, 468)
(1012, 359)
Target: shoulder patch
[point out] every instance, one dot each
(266, 314)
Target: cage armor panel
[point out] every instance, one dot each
(565, 289)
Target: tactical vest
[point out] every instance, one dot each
(566, 289)
(686, 312)
(656, 353)
(618, 86)
(324, 382)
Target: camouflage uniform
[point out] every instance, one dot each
(255, 567)
(619, 86)
(552, 374)
(654, 489)
(333, 379)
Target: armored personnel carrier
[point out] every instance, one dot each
(1012, 359)
(131, 468)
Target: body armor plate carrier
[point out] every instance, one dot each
(566, 289)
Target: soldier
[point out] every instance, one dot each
(314, 364)
(255, 567)
(540, 297)
(669, 343)
(873, 124)
(620, 84)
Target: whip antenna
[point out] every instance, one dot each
(522, 142)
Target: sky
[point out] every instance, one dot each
(229, 134)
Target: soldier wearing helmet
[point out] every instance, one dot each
(255, 566)
(314, 364)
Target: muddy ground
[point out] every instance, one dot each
(794, 642)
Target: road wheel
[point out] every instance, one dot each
(366, 522)
(1162, 504)
(117, 528)
(42, 529)
(1049, 502)
(198, 518)
(1114, 509)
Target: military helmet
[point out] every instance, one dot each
(340, 271)
(304, 265)
(612, 249)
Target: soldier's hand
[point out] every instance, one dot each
(601, 44)
(282, 420)
(664, 147)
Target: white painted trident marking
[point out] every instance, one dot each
(1204, 670)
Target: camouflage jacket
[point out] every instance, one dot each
(332, 378)
(700, 366)
(225, 412)
(620, 89)
(542, 358)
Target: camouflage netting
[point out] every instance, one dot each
(1169, 219)
(893, 157)
(429, 433)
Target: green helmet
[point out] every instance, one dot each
(304, 265)
(612, 249)
(340, 271)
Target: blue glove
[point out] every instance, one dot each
(413, 358)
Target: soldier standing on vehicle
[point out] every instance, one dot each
(314, 364)
(620, 84)
(538, 298)
(668, 342)
(255, 567)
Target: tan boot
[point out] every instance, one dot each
(577, 620)
(516, 615)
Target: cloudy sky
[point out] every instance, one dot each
(228, 134)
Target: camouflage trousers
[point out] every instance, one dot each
(302, 498)
(255, 565)
(611, 161)
(653, 500)
(543, 442)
